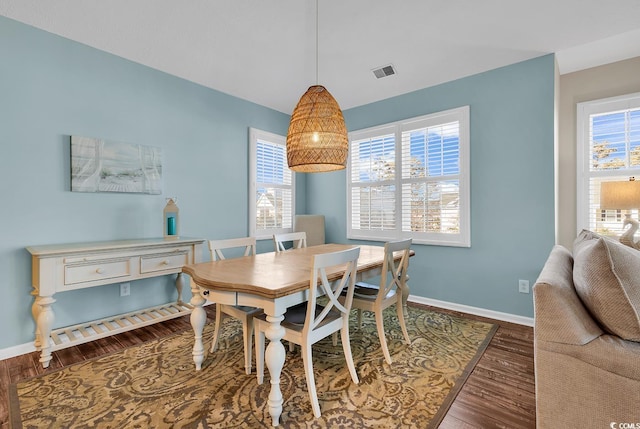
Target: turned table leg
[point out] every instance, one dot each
(180, 283)
(43, 313)
(198, 320)
(274, 359)
(405, 292)
(35, 312)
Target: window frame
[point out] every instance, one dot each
(463, 238)
(256, 135)
(583, 152)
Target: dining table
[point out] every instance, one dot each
(273, 281)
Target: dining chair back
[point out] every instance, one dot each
(298, 240)
(245, 246)
(307, 323)
(393, 289)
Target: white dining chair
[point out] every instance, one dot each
(245, 246)
(393, 289)
(298, 240)
(309, 322)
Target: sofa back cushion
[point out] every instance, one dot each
(560, 314)
(606, 275)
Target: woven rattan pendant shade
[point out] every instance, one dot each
(317, 139)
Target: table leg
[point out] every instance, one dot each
(405, 293)
(198, 319)
(43, 312)
(180, 286)
(274, 359)
(35, 312)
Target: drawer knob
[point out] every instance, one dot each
(165, 262)
(99, 270)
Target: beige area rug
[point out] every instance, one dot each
(155, 385)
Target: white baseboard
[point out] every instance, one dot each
(18, 350)
(22, 349)
(497, 315)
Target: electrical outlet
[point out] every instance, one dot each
(125, 289)
(523, 286)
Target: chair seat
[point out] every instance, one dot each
(369, 291)
(366, 288)
(247, 309)
(295, 316)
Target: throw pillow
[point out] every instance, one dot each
(606, 275)
(585, 235)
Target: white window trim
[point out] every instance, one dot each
(460, 114)
(583, 110)
(254, 136)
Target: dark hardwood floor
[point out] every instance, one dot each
(499, 393)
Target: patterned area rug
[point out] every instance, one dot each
(155, 385)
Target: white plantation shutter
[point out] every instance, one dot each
(410, 179)
(271, 203)
(373, 199)
(608, 150)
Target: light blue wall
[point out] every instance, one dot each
(512, 185)
(51, 88)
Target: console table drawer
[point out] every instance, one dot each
(167, 261)
(74, 274)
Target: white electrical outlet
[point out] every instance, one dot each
(125, 289)
(523, 286)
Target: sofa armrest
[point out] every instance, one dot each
(560, 316)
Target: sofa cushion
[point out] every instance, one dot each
(560, 314)
(606, 275)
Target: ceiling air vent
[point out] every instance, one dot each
(384, 71)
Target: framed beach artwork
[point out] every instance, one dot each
(99, 165)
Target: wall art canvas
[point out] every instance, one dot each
(99, 165)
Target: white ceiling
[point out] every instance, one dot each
(265, 50)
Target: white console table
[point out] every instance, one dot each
(64, 267)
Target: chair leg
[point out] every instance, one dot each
(259, 337)
(403, 323)
(307, 361)
(247, 333)
(334, 338)
(381, 335)
(346, 347)
(216, 329)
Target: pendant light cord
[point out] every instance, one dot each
(317, 61)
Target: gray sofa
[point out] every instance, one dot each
(587, 336)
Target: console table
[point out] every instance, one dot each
(64, 267)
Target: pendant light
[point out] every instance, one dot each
(317, 139)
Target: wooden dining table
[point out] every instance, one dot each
(271, 281)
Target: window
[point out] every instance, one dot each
(411, 179)
(272, 186)
(608, 149)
